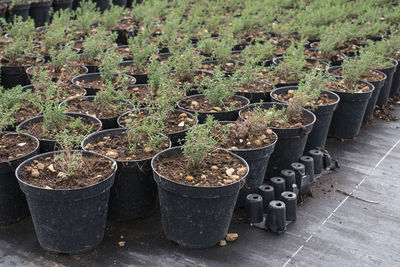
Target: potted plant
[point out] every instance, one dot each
(108, 74)
(86, 15)
(25, 101)
(20, 8)
(366, 61)
(107, 106)
(354, 96)
(193, 178)
(15, 148)
(318, 100)
(54, 120)
(40, 11)
(252, 140)
(251, 83)
(141, 52)
(221, 54)
(161, 104)
(291, 123)
(217, 99)
(72, 188)
(134, 192)
(14, 61)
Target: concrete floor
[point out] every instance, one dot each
(331, 228)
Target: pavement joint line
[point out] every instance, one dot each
(341, 203)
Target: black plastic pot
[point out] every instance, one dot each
(90, 77)
(291, 142)
(108, 123)
(347, 119)
(13, 205)
(220, 116)
(47, 145)
(102, 4)
(134, 193)
(194, 216)
(257, 159)
(385, 91)
(369, 111)
(323, 115)
(314, 47)
(215, 62)
(20, 11)
(394, 90)
(30, 75)
(119, 2)
(140, 78)
(256, 97)
(62, 5)
(12, 76)
(68, 220)
(175, 137)
(40, 12)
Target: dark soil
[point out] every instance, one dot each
(190, 79)
(125, 52)
(239, 136)
(39, 173)
(116, 146)
(370, 76)
(66, 73)
(99, 84)
(255, 87)
(385, 113)
(127, 23)
(175, 122)
(228, 67)
(36, 128)
(132, 70)
(341, 86)
(323, 99)
(213, 171)
(298, 121)
(15, 146)
(201, 104)
(318, 55)
(139, 93)
(21, 62)
(26, 111)
(90, 107)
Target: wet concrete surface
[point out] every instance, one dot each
(332, 229)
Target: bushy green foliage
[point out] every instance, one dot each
(218, 88)
(97, 43)
(109, 65)
(68, 161)
(141, 50)
(86, 15)
(199, 141)
(110, 18)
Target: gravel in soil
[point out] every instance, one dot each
(13, 146)
(116, 146)
(91, 107)
(298, 121)
(26, 111)
(385, 113)
(370, 76)
(175, 122)
(123, 51)
(132, 70)
(323, 99)
(21, 62)
(201, 104)
(341, 86)
(239, 136)
(99, 83)
(36, 128)
(193, 79)
(228, 67)
(47, 173)
(67, 72)
(255, 87)
(218, 168)
(139, 94)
